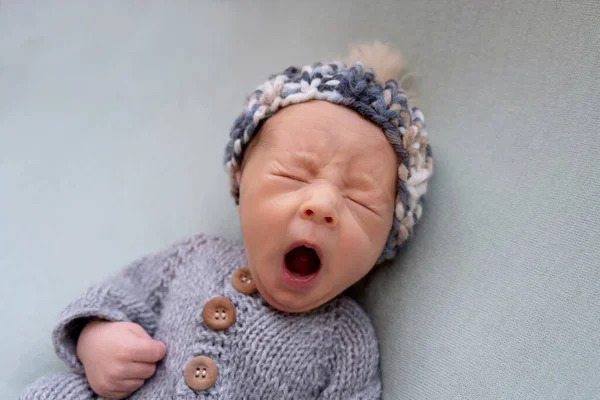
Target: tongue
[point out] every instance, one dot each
(302, 260)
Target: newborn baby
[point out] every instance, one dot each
(328, 164)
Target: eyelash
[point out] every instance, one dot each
(288, 176)
(362, 205)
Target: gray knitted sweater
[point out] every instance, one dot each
(327, 353)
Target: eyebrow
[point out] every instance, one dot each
(307, 161)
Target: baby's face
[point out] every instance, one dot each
(317, 198)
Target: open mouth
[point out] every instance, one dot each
(302, 262)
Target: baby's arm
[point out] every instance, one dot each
(128, 304)
(356, 358)
(62, 386)
(133, 295)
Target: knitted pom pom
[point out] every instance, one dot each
(385, 62)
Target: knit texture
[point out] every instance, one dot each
(64, 386)
(327, 353)
(355, 87)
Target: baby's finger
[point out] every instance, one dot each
(147, 351)
(139, 370)
(129, 386)
(120, 391)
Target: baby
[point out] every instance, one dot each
(328, 165)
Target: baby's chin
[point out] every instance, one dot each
(288, 301)
(291, 305)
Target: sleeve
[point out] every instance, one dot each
(356, 374)
(63, 386)
(133, 295)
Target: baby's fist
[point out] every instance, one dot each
(117, 357)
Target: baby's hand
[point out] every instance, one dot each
(118, 357)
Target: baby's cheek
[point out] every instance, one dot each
(281, 200)
(365, 243)
(352, 244)
(265, 215)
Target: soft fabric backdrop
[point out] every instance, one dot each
(113, 117)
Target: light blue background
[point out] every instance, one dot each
(113, 117)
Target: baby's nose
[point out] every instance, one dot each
(320, 210)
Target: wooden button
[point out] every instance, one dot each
(200, 373)
(219, 313)
(242, 281)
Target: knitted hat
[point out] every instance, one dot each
(363, 90)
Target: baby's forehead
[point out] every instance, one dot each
(322, 126)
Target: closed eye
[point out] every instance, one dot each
(288, 176)
(363, 205)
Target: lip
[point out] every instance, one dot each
(296, 281)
